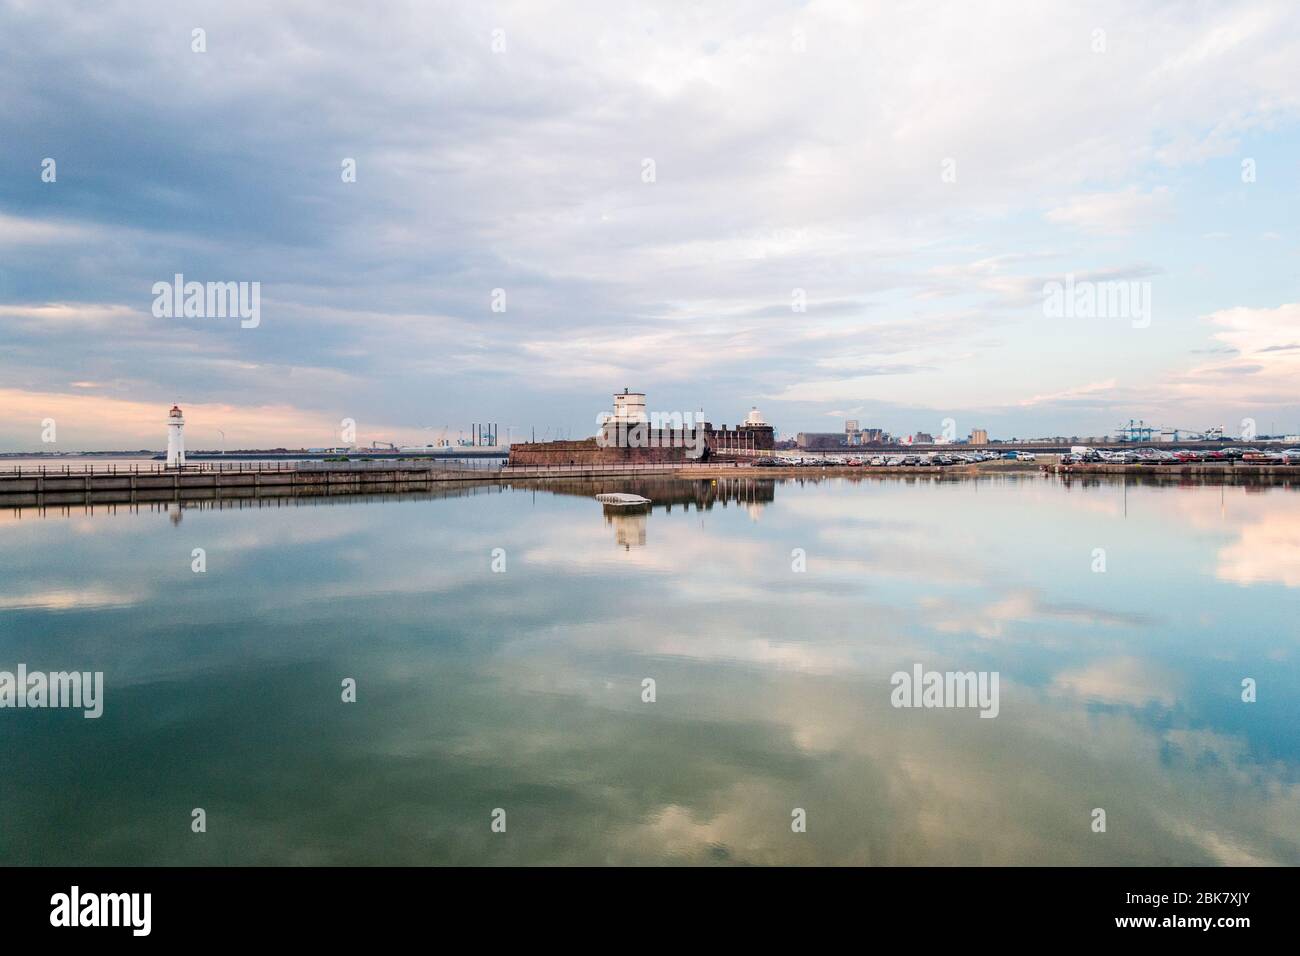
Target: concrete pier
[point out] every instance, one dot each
(132, 484)
(105, 485)
(43, 486)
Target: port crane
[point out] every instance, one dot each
(1140, 431)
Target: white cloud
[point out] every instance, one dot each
(1091, 390)
(1121, 680)
(1264, 345)
(776, 169)
(1117, 212)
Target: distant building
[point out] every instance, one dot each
(979, 436)
(923, 438)
(854, 434)
(820, 441)
(631, 435)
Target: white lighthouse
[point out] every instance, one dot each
(175, 437)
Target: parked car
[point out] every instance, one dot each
(1026, 456)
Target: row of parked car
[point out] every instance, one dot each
(931, 460)
(1159, 456)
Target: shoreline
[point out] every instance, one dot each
(39, 489)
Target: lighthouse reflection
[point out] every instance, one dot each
(629, 525)
(630, 522)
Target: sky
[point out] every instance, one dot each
(827, 210)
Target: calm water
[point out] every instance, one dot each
(522, 690)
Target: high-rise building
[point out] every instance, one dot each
(979, 436)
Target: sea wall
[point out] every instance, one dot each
(588, 452)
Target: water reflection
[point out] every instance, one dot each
(629, 525)
(665, 493)
(522, 689)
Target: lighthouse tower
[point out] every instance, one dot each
(175, 437)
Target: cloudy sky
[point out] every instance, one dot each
(649, 185)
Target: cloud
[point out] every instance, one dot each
(1266, 551)
(25, 231)
(85, 421)
(69, 599)
(993, 619)
(1253, 337)
(1122, 680)
(1116, 212)
(777, 168)
(1076, 393)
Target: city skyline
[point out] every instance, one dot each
(503, 214)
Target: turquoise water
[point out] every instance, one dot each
(522, 690)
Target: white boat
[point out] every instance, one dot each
(618, 498)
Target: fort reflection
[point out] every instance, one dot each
(630, 522)
(703, 494)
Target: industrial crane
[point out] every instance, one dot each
(1140, 431)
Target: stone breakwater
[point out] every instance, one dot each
(37, 487)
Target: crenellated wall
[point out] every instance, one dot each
(588, 452)
(669, 447)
